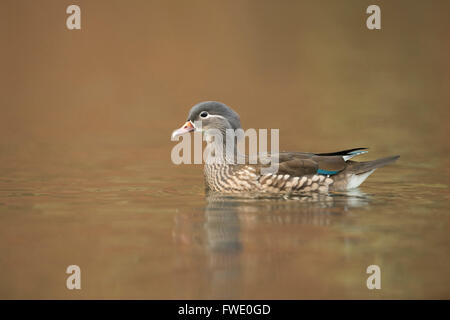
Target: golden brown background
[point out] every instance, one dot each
(136, 67)
(86, 117)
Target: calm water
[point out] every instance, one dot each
(141, 229)
(85, 170)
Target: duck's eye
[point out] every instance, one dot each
(204, 114)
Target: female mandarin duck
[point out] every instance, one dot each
(298, 172)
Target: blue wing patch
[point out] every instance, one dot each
(326, 172)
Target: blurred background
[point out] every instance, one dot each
(86, 117)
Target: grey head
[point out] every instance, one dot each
(211, 115)
(214, 115)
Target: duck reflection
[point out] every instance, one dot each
(237, 234)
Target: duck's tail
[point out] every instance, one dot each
(362, 170)
(363, 167)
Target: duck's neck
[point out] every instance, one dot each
(221, 151)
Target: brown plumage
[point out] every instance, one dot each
(297, 172)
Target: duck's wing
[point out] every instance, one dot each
(298, 164)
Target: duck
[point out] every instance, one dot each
(297, 172)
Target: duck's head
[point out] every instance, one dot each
(211, 115)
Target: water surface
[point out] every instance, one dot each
(85, 170)
(147, 230)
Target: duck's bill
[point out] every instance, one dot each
(187, 127)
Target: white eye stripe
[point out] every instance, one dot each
(213, 116)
